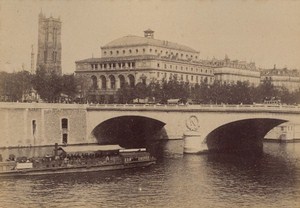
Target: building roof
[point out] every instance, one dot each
(280, 72)
(107, 59)
(132, 40)
(89, 148)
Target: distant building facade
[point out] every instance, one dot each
(135, 59)
(287, 132)
(230, 71)
(49, 44)
(287, 78)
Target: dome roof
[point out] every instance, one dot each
(132, 40)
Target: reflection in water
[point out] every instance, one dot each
(177, 180)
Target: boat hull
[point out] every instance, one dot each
(74, 169)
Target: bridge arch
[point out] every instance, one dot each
(241, 135)
(128, 131)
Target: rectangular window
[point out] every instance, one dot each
(33, 127)
(64, 123)
(65, 138)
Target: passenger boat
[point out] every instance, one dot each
(73, 159)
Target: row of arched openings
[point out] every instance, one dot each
(112, 82)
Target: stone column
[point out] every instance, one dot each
(193, 143)
(118, 85)
(7, 135)
(25, 117)
(193, 140)
(42, 135)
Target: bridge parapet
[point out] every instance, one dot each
(200, 108)
(154, 107)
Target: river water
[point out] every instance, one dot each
(177, 180)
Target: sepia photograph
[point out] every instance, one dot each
(150, 103)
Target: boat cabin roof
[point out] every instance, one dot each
(89, 148)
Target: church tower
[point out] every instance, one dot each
(49, 44)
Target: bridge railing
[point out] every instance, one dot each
(218, 107)
(199, 107)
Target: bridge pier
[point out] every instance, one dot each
(193, 143)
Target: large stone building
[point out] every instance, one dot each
(49, 44)
(135, 59)
(230, 71)
(287, 78)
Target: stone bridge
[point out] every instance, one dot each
(203, 127)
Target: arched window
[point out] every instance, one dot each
(112, 82)
(121, 80)
(131, 80)
(143, 78)
(103, 82)
(94, 82)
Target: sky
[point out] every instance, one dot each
(264, 31)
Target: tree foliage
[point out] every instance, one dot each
(14, 85)
(216, 93)
(52, 88)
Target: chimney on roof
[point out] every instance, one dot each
(274, 66)
(149, 33)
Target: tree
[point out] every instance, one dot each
(69, 86)
(266, 90)
(125, 94)
(13, 86)
(48, 86)
(204, 92)
(140, 91)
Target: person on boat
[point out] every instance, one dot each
(11, 157)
